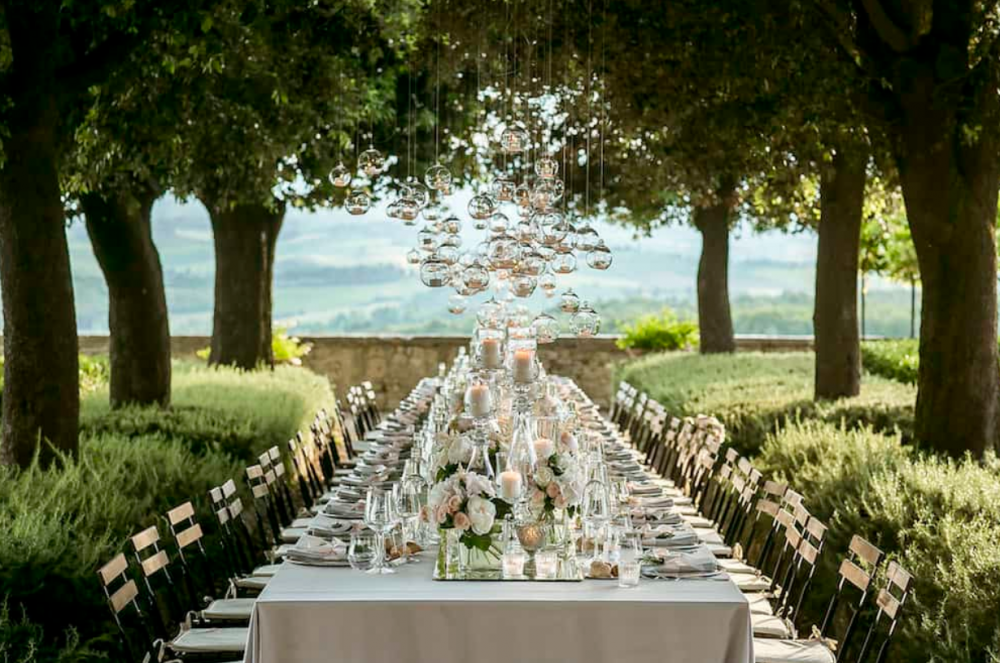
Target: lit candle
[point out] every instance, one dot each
(491, 353)
(544, 447)
(546, 563)
(510, 484)
(523, 365)
(513, 564)
(480, 401)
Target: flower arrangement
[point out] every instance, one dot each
(466, 502)
(558, 480)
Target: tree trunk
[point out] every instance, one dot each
(121, 235)
(835, 317)
(41, 394)
(913, 308)
(715, 320)
(864, 305)
(949, 182)
(245, 240)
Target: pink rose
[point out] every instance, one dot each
(553, 490)
(537, 497)
(462, 521)
(454, 503)
(441, 514)
(560, 502)
(425, 514)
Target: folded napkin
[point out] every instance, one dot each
(314, 549)
(338, 509)
(327, 527)
(666, 536)
(660, 518)
(654, 502)
(644, 489)
(673, 562)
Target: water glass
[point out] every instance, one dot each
(628, 573)
(362, 551)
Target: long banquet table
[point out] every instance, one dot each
(311, 614)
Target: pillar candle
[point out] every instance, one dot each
(510, 484)
(490, 348)
(480, 401)
(523, 369)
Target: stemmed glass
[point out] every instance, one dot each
(409, 500)
(596, 511)
(380, 517)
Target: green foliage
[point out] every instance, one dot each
(95, 372)
(61, 524)
(939, 518)
(897, 359)
(659, 332)
(754, 394)
(286, 349)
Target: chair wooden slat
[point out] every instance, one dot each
(125, 595)
(113, 569)
(180, 513)
(145, 538)
(189, 536)
(229, 488)
(855, 575)
(888, 603)
(259, 491)
(808, 551)
(899, 577)
(865, 550)
(154, 563)
(254, 472)
(816, 528)
(774, 488)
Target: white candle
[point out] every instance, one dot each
(523, 365)
(480, 401)
(544, 447)
(546, 563)
(491, 353)
(510, 484)
(513, 564)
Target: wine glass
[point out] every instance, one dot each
(409, 500)
(362, 551)
(596, 511)
(380, 516)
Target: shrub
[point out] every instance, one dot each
(939, 518)
(897, 359)
(662, 332)
(61, 524)
(755, 394)
(95, 372)
(286, 349)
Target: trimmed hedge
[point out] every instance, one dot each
(938, 518)
(60, 525)
(896, 359)
(755, 394)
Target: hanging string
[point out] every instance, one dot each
(604, 18)
(437, 99)
(589, 111)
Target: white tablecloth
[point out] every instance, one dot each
(335, 615)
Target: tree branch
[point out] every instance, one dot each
(841, 29)
(887, 30)
(95, 66)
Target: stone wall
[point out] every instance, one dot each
(394, 364)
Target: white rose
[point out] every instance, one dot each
(460, 451)
(477, 485)
(543, 476)
(482, 513)
(544, 447)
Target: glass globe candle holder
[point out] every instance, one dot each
(564, 262)
(434, 273)
(503, 189)
(546, 167)
(600, 257)
(523, 285)
(371, 162)
(513, 140)
(498, 223)
(546, 328)
(437, 177)
(482, 206)
(569, 302)
(585, 322)
(340, 175)
(357, 202)
(418, 193)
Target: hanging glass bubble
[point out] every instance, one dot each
(564, 263)
(585, 322)
(452, 225)
(392, 210)
(503, 189)
(482, 206)
(526, 231)
(490, 314)
(543, 196)
(371, 162)
(558, 188)
(451, 239)
(532, 262)
(454, 275)
(569, 302)
(546, 167)
(520, 316)
(420, 194)
(428, 240)
(457, 304)
(525, 212)
(499, 223)
(503, 252)
(476, 277)
(523, 285)
(413, 256)
(340, 176)
(600, 256)
(513, 140)
(434, 273)
(437, 177)
(522, 195)
(585, 238)
(554, 234)
(408, 209)
(480, 224)
(467, 259)
(434, 212)
(357, 202)
(547, 252)
(547, 282)
(546, 328)
(448, 255)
